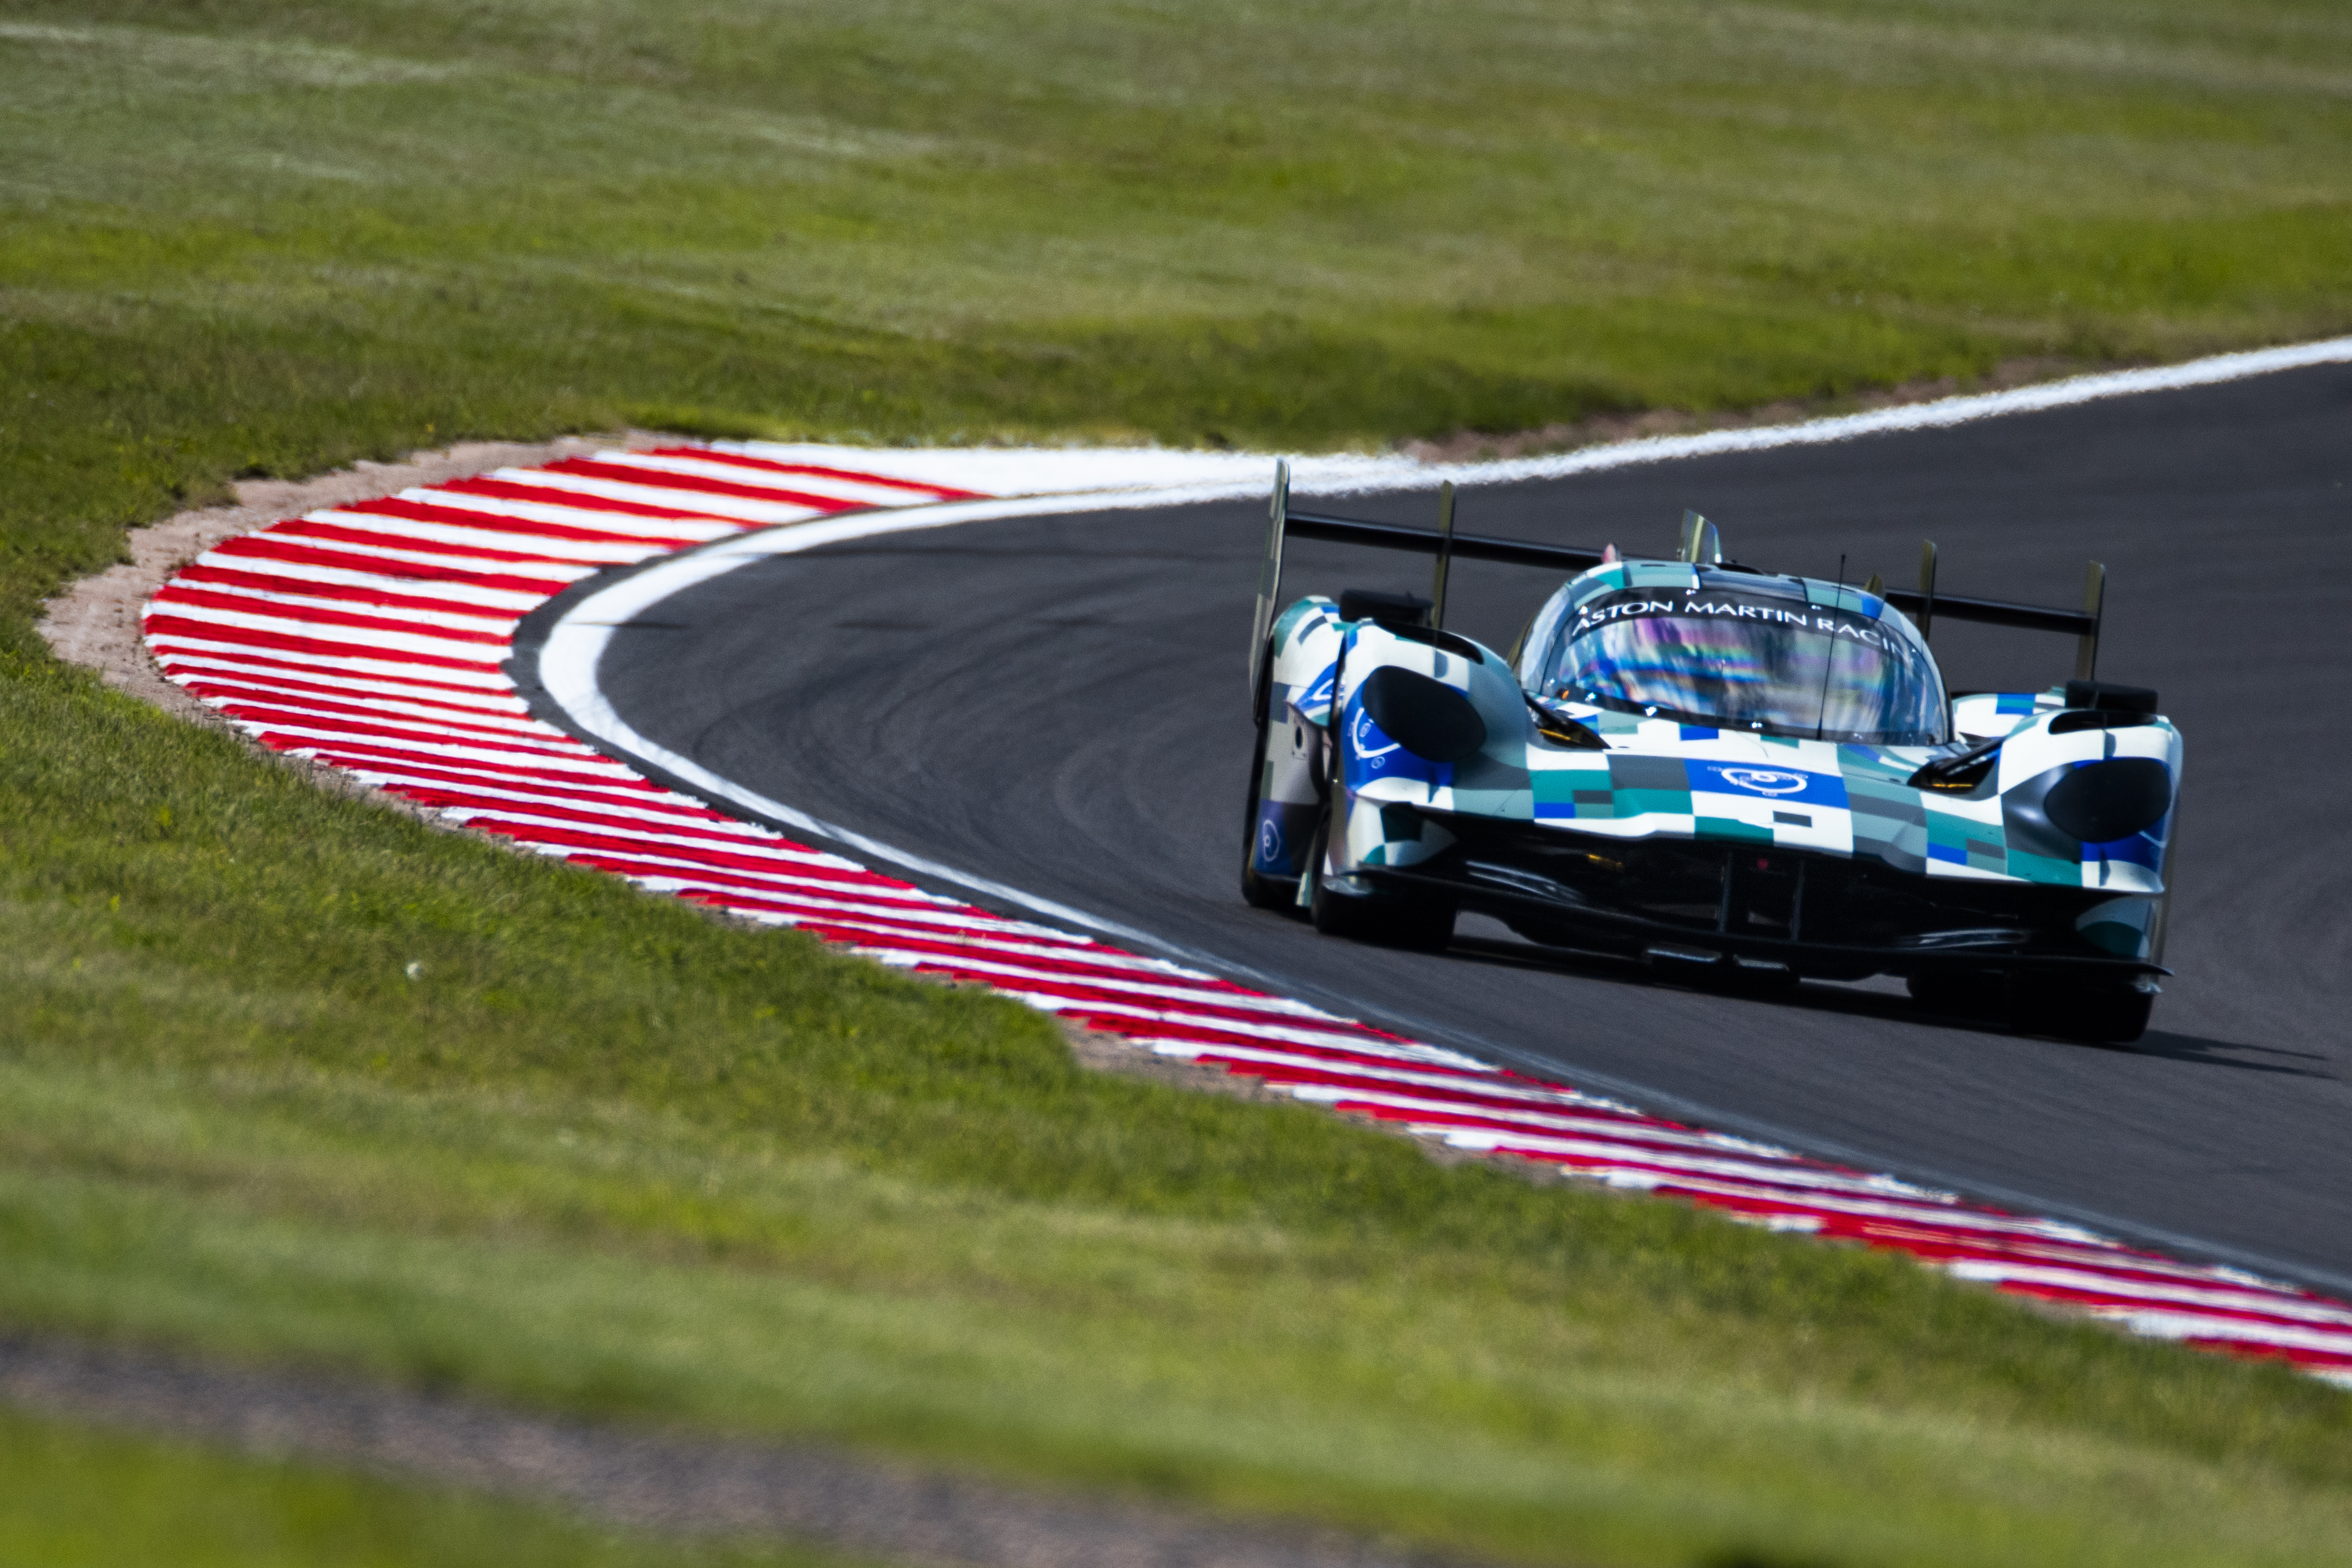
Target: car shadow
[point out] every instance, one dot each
(1822, 996)
(2206, 1052)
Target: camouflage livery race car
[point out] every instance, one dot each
(1741, 777)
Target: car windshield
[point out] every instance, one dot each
(1737, 661)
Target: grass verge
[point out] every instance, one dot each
(605, 1155)
(107, 1500)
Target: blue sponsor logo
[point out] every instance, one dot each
(1373, 747)
(1318, 690)
(1371, 753)
(1779, 785)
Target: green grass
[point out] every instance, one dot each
(605, 1155)
(107, 1500)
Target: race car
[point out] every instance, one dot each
(1741, 777)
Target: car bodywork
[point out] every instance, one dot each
(2018, 837)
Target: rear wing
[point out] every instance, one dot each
(1698, 543)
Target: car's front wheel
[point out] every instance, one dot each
(2096, 1013)
(2056, 1006)
(1385, 919)
(1964, 993)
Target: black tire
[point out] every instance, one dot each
(1740, 980)
(1259, 891)
(1383, 919)
(1959, 993)
(2101, 1013)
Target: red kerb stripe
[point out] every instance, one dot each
(285, 552)
(311, 615)
(485, 522)
(577, 500)
(315, 588)
(565, 837)
(250, 699)
(1110, 989)
(160, 627)
(311, 667)
(305, 527)
(668, 479)
(593, 774)
(283, 689)
(704, 454)
(1140, 976)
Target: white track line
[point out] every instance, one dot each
(1227, 476)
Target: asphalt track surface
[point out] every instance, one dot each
(1059, 704)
